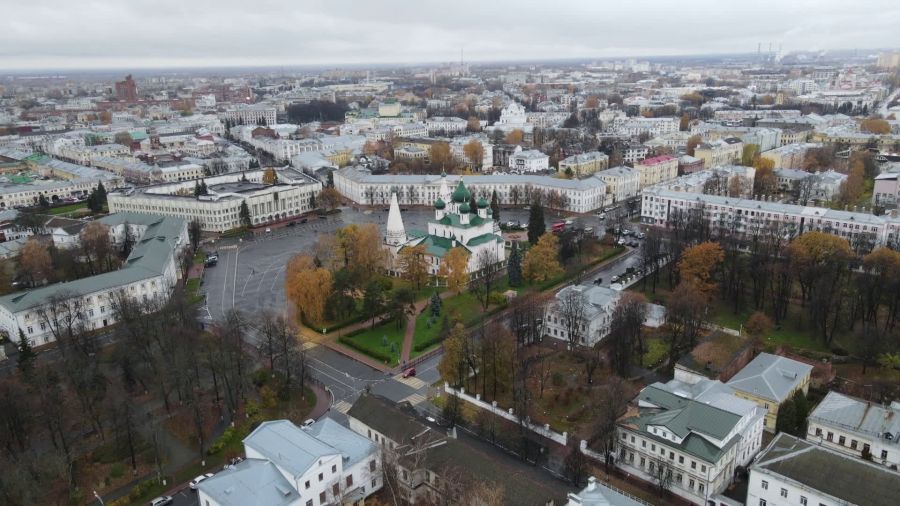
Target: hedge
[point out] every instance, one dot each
(374, 353)
(424, 345)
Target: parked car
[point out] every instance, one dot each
(212, 260)
(598, 281)
(196, 481)
(308, 422)
(614, 279)
(162, 500)
(268, 230)
(291, 224)
(409, 372)
(304, 220)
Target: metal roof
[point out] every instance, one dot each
(857, 415)
(289, 447)
(770, 377)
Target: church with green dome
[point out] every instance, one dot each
(455, 225)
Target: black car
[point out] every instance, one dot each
(598, 281)
(291, 224)
(304, 220)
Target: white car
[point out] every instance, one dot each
(196, 481)
(308, 422)
(162, 500)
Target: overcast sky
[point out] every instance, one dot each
(166, 33)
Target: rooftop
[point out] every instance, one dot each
(770, 377)
(857, 415)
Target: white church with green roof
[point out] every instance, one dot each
(455, 224)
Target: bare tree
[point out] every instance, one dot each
(488, 271)
(573, 313)
(612, 400)
(625, 330)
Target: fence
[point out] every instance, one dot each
(545, 430)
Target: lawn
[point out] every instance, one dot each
(384, 342)
(71, 208)
(656, 352)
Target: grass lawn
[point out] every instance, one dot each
(192, 287)
(384, 342)
(71, 208)
(656, 352)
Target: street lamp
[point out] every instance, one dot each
(98, 497)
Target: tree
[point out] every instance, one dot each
(536, 225)
(27, 356)
(123, 138)
(514, 266)
(373, 300)
(758, 325)
(435, 305)
(697, 265)
(440, 155)
(96, 247)
(414, 264)
(684, 317)
(821, 263)
(195, 231)
(43, 202)
(200, 188)
(541, 261)
(764, 182)
(875, 126)
(489, 269)
(661, 472)
(244, 215)
(360, 248)
(495, 206)
(572, 309)
(612, 399)
(692, 143)
(749, 154)
(628, 317)
(34, 261)
(853, 187)
(269, 176)
(473, 124)
(575, 465)
(474, 152)
(308, 287)
(454, 268)
(453, 361)
(516, 136)
(329, 198)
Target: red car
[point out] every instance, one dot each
(409, 372)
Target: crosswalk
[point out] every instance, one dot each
(412, 381)
(308, 345)
(415, 399)
(342, 406)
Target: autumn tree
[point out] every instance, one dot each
(454, 268)
(34, 261)
(452, 366)
(269, 176)
(440, 155)
(123, 138)
(414, 264)
(684, 317)
(625, 330)
(474, 152)
(758, 325)
(821, 263)
(692, 143)
(698, 264)
(749, 153)
(875, 126)
(542, 260)
(360, 248)
(329, 198)
(853, 187)
(308, 287)
(765, 182)
(96, 247)
(516, 136)
(473, 125)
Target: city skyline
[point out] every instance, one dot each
(235, 34)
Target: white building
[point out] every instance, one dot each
(700, 435)
(219, 210)
(650, 126)
(458, 149)
(581, 314)
(149, 273)
(857, 427)
(791, 471)
(656, 170)
(362, 187)
(249, 115)
(529, 161)
(622, 183)
(445, 125)
(323, 464)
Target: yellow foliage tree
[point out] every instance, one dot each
(452, 364)
(761, 162)
(474, 152)
(875, 126)
(697, 265)
(541, 262)
(692, 143)
(361, 248)
(308, 287)
(454, 268)
(414, 264)
(515, 137)
(269, 176)
(440, 155)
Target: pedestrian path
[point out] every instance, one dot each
(308, 345)
(342, 406)
(414, 399)
(412, 381)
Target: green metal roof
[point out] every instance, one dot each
(482, 239)
(453, 220)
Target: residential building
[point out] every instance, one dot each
(727, 151)
(698, 444)
(436, 467)
(634, 153)
(362, 187)
(245, 114)
(856, 427)
(622, 183)
(126, 90)
(529, 161)
(886, 192)
(864, 231)
(652, 127)
(656, 170)
(454, 225)
(149, 273)
(791, 471)
(790, 179)
(688, 164)
(219, 209)
(585, 164)
(323, 464)
(790, 156)
(581, 314)
(826, 184)
(769, 380)
(445, 125)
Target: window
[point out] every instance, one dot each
(349, 480)
(853, 444)
(702, 469)
(335, 490)
(765, 485)
(333, 469)
(830, 436)
(883, 454)
(762, 502)
(643, 444)
(372, 465)
(374, 482)
(642, 461)
(321, 497)
(841, 440)
(784, 492)
(802, 500)
(306, 485)
(693, 465)
(691, 484)
(652, 465)
(309, 503)
(700, 488)
(320, 476)
(671, 455)
(866, 448)
(652, 448)
(678, 478)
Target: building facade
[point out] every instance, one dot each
(656, 170)
(856, 427)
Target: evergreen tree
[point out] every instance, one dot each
(436, 304)
(536, 225)
(495, 206)
(514, 266)
(197, 191)
(27, 356)
(43, 202)
(245, 215)
(473, 204)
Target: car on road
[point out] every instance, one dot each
(409, 372)
(598, 281)
(304, 220)
(621, 242)
(212, 260)
(162, 500)
(291, 224)
(634, 244)
(641, 235)
(308, 422)
(268, 230)
(614, 279)
(196, 481)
